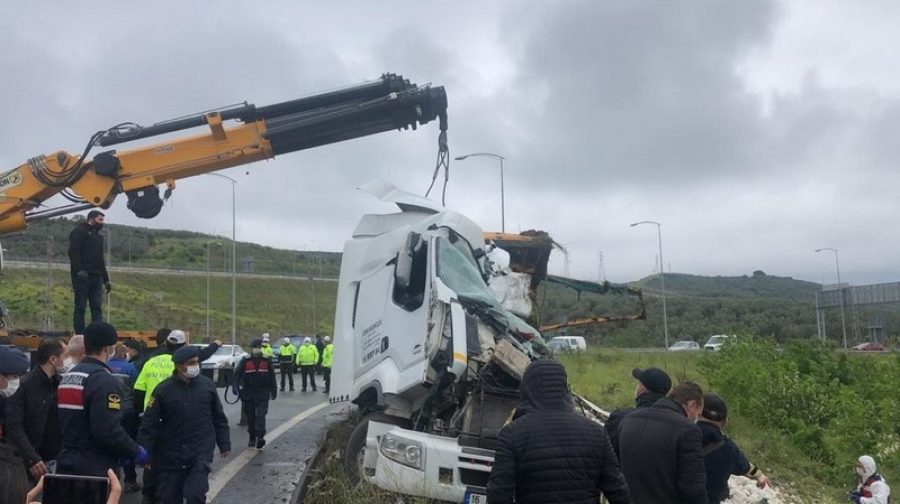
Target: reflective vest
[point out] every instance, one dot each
(308, 355)
(267, 350)
(287, 352)
(153, 373)
(328, 355)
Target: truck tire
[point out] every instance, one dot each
(356, 445)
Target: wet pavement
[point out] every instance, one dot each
(296, 425)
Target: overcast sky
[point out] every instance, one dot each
(755, 132)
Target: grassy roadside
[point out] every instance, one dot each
(604, 377)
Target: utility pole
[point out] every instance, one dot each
(601, 274)
(48, 288)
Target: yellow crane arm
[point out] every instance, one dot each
(382, 105)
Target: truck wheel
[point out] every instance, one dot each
(355, 451)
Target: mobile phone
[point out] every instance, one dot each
(73, 489)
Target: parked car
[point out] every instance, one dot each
(871, 346)
(572, 343)
(715, 342)
(220, 366)
(558, 346)
(685, 346)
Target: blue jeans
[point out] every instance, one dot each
(87, 291)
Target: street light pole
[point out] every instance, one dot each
(662, 276)
(837, 267)
(208, 243)
(233, 256)
(502, 189)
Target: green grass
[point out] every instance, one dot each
(149, 301)
(604, 377)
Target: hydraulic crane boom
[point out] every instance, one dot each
(263, 132)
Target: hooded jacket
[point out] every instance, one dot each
(661, 455)
(872, 488)
(551, 454)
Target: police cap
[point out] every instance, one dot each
(13, 361)
(185, 354)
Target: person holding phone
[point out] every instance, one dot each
(90, 411)
(183, 423)
(59, 490)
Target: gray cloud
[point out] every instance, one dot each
(607, 112)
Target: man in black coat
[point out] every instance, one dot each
(88, 269)
(182, 425)
(660, 450)
(254, 382)
(13, 479)
(90, 411)
(652, 385)
(721, 455)
(549, 453)
(32, 420)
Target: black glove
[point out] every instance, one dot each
(82, 275)
(274, 395)
(108, 286)
(855, 496)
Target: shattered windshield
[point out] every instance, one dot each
(456, 268)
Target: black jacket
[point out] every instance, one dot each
(255, 376)
(90, 415)
(661, 456)
(644, 400)
(86, 251)
(723, 460)
(550, 453)
(32, 421)
(183, 423)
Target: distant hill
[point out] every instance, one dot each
(758, 285)
(167, 248)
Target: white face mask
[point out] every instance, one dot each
(12, 384)
(68, 364)
(193, 371)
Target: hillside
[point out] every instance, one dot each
(139, 246)
(146, 301)
(698, 306)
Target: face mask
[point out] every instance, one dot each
(193, 371)
(12, 384)
(98, 226)
(861, 472)
(68, 364)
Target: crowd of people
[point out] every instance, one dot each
(93, 406)
(670, 448)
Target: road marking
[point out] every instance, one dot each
(221, 478)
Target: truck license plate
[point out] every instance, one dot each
(474, 498)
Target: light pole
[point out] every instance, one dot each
(233, 256)
(662, 275)
(837, 267)
(502, 190)
(208, 243)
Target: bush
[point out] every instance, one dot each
(832, 407)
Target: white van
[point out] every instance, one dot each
(572, 343)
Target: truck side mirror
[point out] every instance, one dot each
(403, 272)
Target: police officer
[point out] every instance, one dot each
(182, 426)
(157, 369)
(286, 355)
(327, 361)
(267, 351)
(254, 381)
(90, 411)
(307, 358)
(13, 364)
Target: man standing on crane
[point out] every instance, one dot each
(88, 268)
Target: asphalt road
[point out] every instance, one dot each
(296, 424)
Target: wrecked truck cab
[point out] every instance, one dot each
(425, 350)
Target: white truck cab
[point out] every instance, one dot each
(426, 352)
